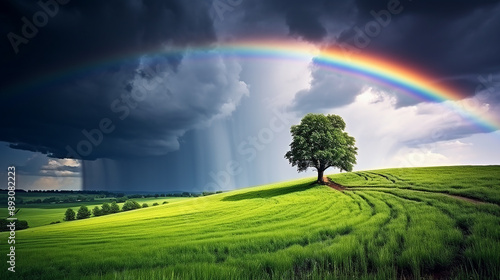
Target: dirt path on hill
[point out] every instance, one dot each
(332, 184)
(463, 198)
(341, 188)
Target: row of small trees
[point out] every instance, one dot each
(82, 213)
(106, 208)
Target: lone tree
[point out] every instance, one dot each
(320, 142)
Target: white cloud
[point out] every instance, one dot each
(63, 162)
(424, 134)
(407, 157)
(56, 183)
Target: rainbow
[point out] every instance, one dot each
(378, 69)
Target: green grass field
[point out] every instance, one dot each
(388, 224)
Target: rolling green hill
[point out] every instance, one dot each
(435, 223)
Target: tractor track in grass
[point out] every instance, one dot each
(438, 272)
(446, 271)
(341, 188)
(459, 197)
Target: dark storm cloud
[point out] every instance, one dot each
(137, 106)
(85, 30)
(328, 89)
(303, 19)
(446, 39)
(444, 8)
(305, 23)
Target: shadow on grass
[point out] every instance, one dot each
(270, 193)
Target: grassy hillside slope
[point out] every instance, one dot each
(289, 230)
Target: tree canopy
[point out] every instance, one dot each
(69, 215)
(130, 205)
(320, 142)
(83, 213)
(97, 211)
(114, 208)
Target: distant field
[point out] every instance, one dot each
(388, 224)
(39, 214)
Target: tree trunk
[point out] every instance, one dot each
(320, 176)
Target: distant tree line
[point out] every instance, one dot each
(183, 194)
(64, 199)
(17, 190)
(106, 193)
